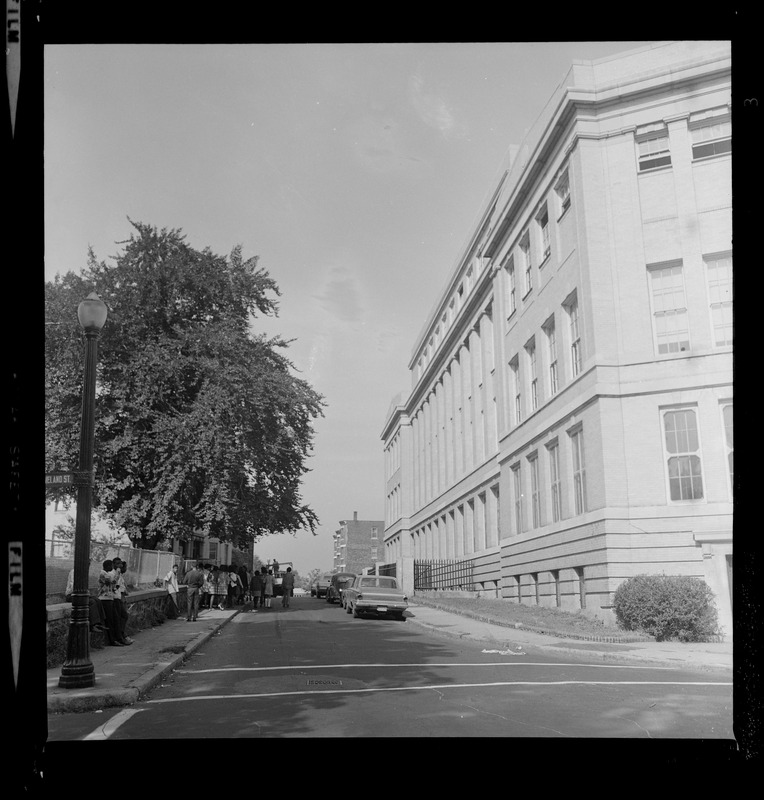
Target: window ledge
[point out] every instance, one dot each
(546, 258)
(712, 157)
(665, 168)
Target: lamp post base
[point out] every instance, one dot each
(77, 672)
(77, 676)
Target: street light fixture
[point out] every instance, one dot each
(77, 671)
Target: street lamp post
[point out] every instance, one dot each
(77, 671)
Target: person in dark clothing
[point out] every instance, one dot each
(194, 580)
(256, 588)
(244, 594)
(106, 581)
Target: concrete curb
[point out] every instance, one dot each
(626, 638)
(110, 698)
(564, 645)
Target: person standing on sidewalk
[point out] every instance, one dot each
(234, 586)
(120, 598)
(268, 588)
(263, 576)
(106, 581)
(218, 589)
(171, 584)
(287, 587)
(244, 591)
(223, 586)
(194, 580)
(205, 600)
(256, 588)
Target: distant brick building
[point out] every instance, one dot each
(358, 544)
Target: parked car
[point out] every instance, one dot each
(375, 594)
(299, 592)
(337, 585)
(321, 584)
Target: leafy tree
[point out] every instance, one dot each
(310, 578)
(201, 425)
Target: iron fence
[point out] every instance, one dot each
(444, 574)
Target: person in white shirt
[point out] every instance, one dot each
(171, 584)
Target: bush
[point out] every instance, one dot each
(667, 607)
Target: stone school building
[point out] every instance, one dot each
(569, 419)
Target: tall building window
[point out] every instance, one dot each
(563, 192)
(579, 470)
(509, 272)
(525, 249)
(514, 368)
(711, 133)
(653, 149)
(719, 276)
(530, 349)
(518, 498)
(554, 480)
(683, 454)
(542, 219)
(728, 441)
(670, 322)
(571, 307)
(551, 342)
(533, 464)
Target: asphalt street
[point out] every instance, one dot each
(313, 671)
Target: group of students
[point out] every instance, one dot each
(108, 609)
(261, 589)
(224, 586)
(219, 587)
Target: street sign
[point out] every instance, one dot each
(61, 479)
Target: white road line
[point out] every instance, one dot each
(397, 666)
(431, 687)
(107, 729)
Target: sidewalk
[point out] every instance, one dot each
(707, 656)
(125, 674)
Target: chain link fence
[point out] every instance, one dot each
(145, 568)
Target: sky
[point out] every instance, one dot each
(356, 173)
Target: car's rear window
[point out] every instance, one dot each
(381, 583)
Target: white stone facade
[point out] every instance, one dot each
(569, 422)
